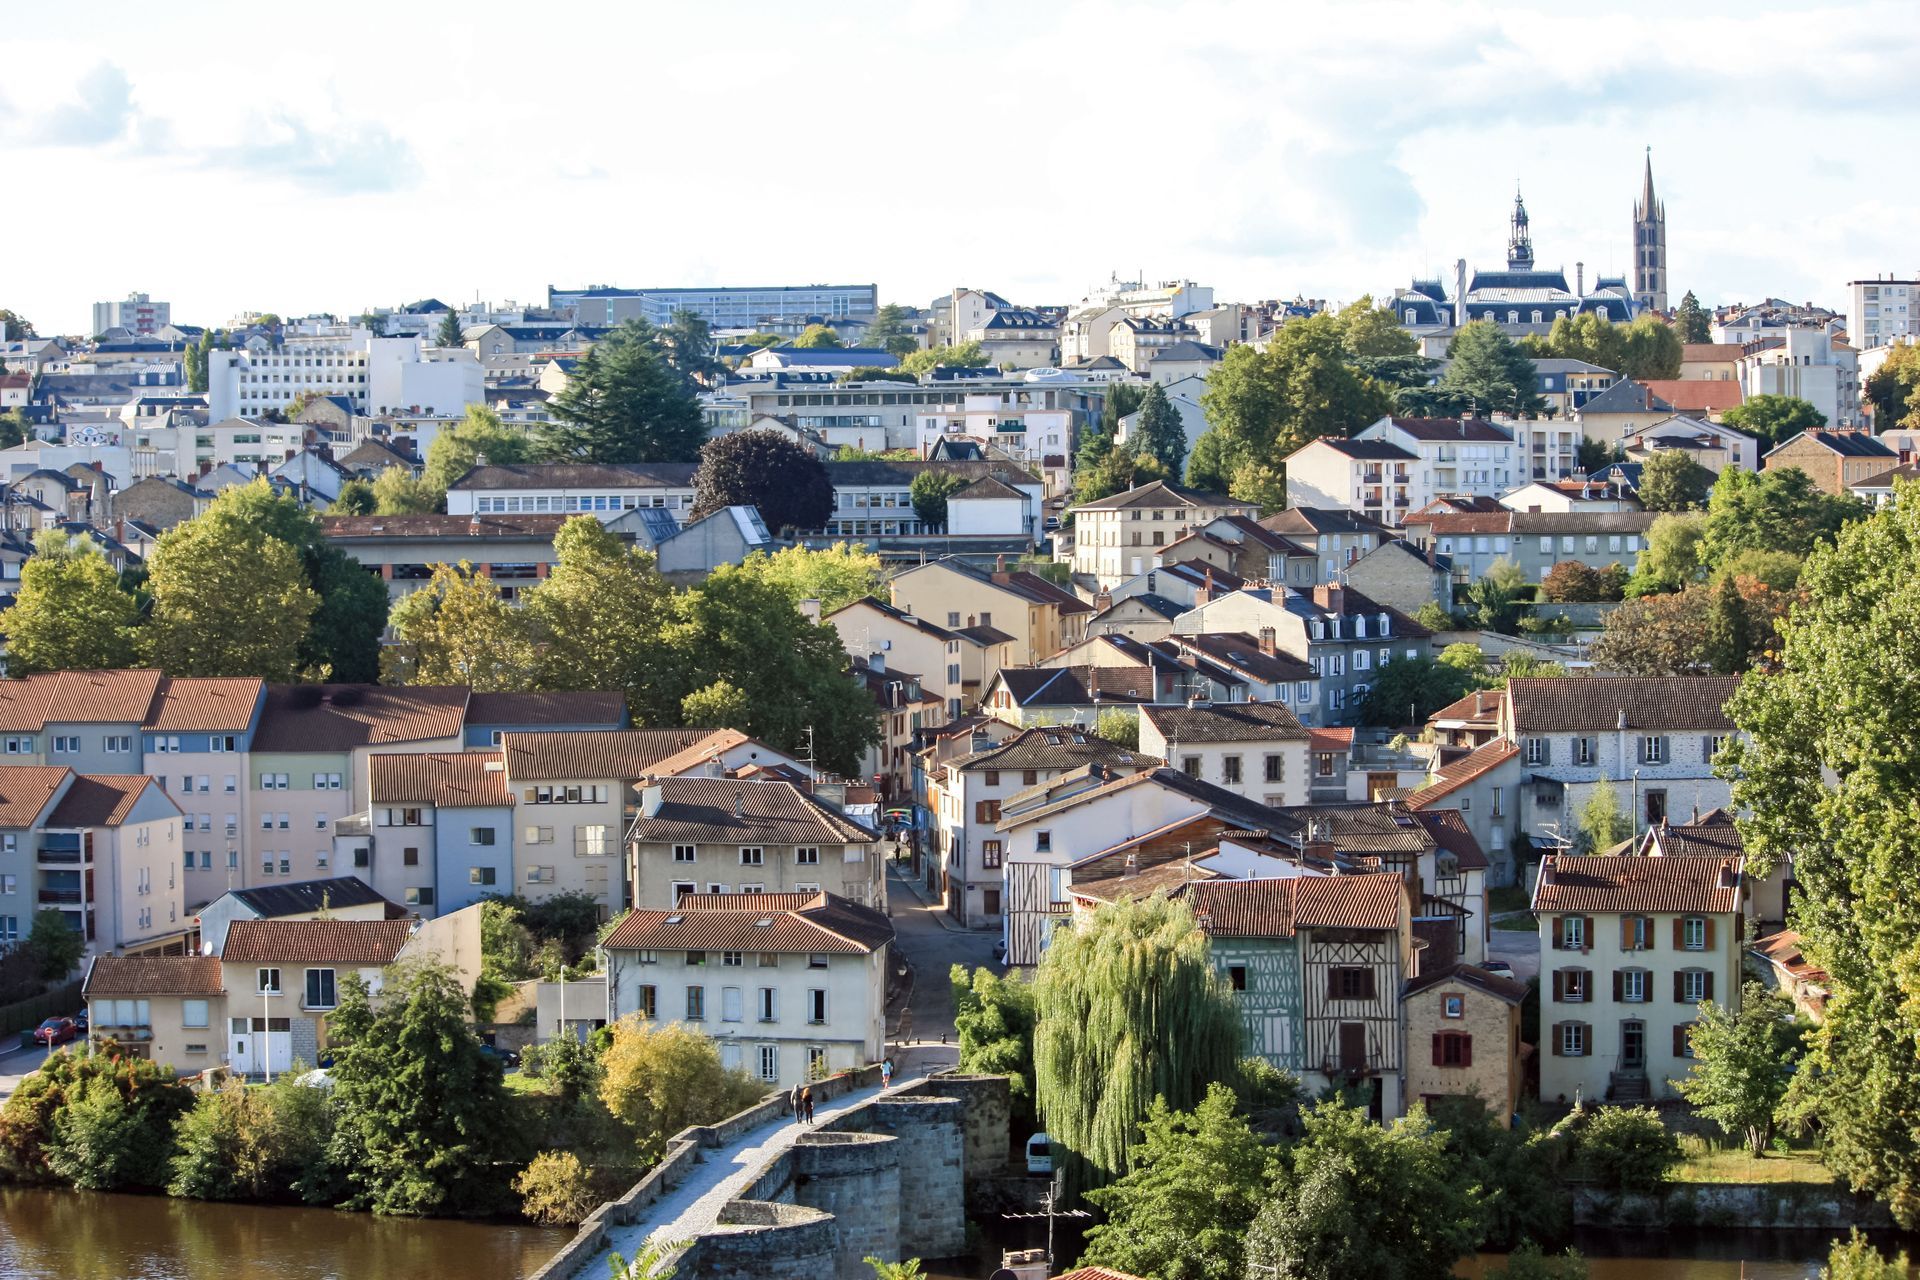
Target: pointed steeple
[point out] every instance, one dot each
(1520, 241)
(1648, 206)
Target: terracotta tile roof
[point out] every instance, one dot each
(583, 707)
(81, 697)
(597, 753)
(1713, 836)
(1482, 706)
(1576, 704)
(103, 800)
(1227, 722)
(26, 790)
(1474, 764)
(761, 902)
(1098, 1273)
(1447, 523)
(23, 703)
(1493, 984)
(1569, 883)
(1277, 908)
(1696, 395)
(1783, 949)
(827, 925)
(207, 704)
(152, 976)
(717, 740)
(361, 942)
(455, 779)
(730, 811)
(1339, 741)
(1449, 830)
(340, 717)
(1363, 827)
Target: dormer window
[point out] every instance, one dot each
(1384, 629)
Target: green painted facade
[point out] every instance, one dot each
(1270, 1000)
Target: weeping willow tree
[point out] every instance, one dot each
(1129, 1009)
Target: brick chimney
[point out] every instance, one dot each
(1336, 598)
(1267, 644)
(1000, 573)
(1205, 593)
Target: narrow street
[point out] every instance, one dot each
(930, 943)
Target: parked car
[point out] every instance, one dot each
(508, 1058)
(1039, 1154)
(55, 1031)
(1500, 967)
(80, 1024)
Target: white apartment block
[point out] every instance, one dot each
(136, 313)
(1807, 363)
(378, 376)
(1884, 311)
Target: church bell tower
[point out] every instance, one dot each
(1519, 239)
(1649, 246)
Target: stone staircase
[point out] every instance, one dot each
(1628, 1087)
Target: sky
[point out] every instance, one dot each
(330, 158)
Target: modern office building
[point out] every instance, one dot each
(721, 307)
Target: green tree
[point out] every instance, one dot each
(245, 1143)
(1516, 1169)
(1627, 1148)
(765, 470)
(1529, 1262)
(1372, 332)
(457, 449)
(1830, 779)
(1117, 401)
(1588, 336)
(661, 1077)
(1408, 690)
(113, 1134)
(354, 499)
(1778, 510)
(1365, 1202)
(1691, 320)
(689, 345)
(1730, 630)
(1159, 431)
(14, 428)
(1651, 348)
(449, 334)
(197, 362)
(625, 402)
(721, 705)
(964, 355)
(70, 613)
(1601, 824)
(1671, 481)
(994, 1019)
(888, 331)
(1570, 582)
(835, 576)
(14, 326)
(1492, 374)
(556, 1189)
(1120, 470)
(599, 621)
(1774, 419)
(422, 1113)
(1742, 1064)
(1130, 1008)
(1120, 727)
(398, 492)
(229, 599)
(458, 630)
(1692, 632)
(55, 944)
(817, 337)
(908, 1270)
(1674, 554)
(1496, 596)
(930, 491)
(1890, 391)
(1855, 1258)
(1182, 1209)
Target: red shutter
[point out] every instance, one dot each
(1618, 979)
(1555, 1037)
(1559, 932)
(1707, 992)
(1709, 924)
(1440, 1050)
(1466, 1051)
(1679, 932)
(1626, 936)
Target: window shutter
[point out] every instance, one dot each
(1680, 1041)
(1651, 933)
(1666, 749)
(1559, 984)
(1333, 984)
(1556, 1038)
(1546, 751)
(1366, 985)
(1679, 988)
(1559, 932)
(1439, 1050)
(1709, 924)
(1626, 941)
(1466, 1051)
(1706, 747)
(1706, 992)
(1586, 932)
(1679, 932)
(1619, 979)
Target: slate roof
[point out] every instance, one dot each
(102, 800)
(1186, 351)
(1885, 479)
(1075, 686)
(1497, 985)
(898, 614)
(1848, 444)
(1439, 429)
(580, 475)
(1313, 521)
(1625, 396)
(26, 789)
(1631, 883)
(1168, 609)
(1713, 835)
(561, 756)
(1233, 807)
(1362, 827)
(987, 487)
(1594, 703)
(1366, 450)
(1160, 494)
(1226, 722)
(303, 897)
(345, 942)
(452, 779)
(826, 925)
(1241, 652)
(738, 811)
(1450, 778)
(585, 706)
(152, 976)
(1047, 748)
(340, 717)
(983, 635)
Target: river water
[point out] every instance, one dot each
(78, 1235)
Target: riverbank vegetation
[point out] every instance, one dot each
(413, 1117)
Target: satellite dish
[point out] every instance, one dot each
(206, 946)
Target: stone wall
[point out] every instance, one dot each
(931, 1186)
(1763, 1206)
(774, 1242)
(985, 1125)
(856, 1178)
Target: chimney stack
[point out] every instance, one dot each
(1267, 641)
(1000, 574)
(1205, 593)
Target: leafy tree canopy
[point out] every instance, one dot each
(930, 491)
(1490, 373)
(1671, 481)
(1778, 510)
(1774, 419)
(625, 402)
(835, 576)
(964, 355)
(818, 337)
(458, 449)
(765, 470)
(70, 613)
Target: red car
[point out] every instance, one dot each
(55, 1031)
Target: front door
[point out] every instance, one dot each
(991, 902)
(1633, 1046)
(259, 1045)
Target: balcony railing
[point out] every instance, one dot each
(60, 857)
(60, 897)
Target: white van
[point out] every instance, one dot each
(1039, 1154)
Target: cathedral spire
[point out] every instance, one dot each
(1647, 206)
(1520, 241)
(1649, 245)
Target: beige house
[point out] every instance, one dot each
(1121, 536)
(1254, 749)
(950, 666)
(1711, 361)
(1040, 618)
(1463, 1037)
(1630, 946)
(167, 1008)
(728, 835)
(1834, 460)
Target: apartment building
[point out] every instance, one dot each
(790, 986)
(1253, 749)
(1884, 310)
(375, 375)
(1041, 618)
(1336, 536)
(1117, 537)
(1834, 460)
